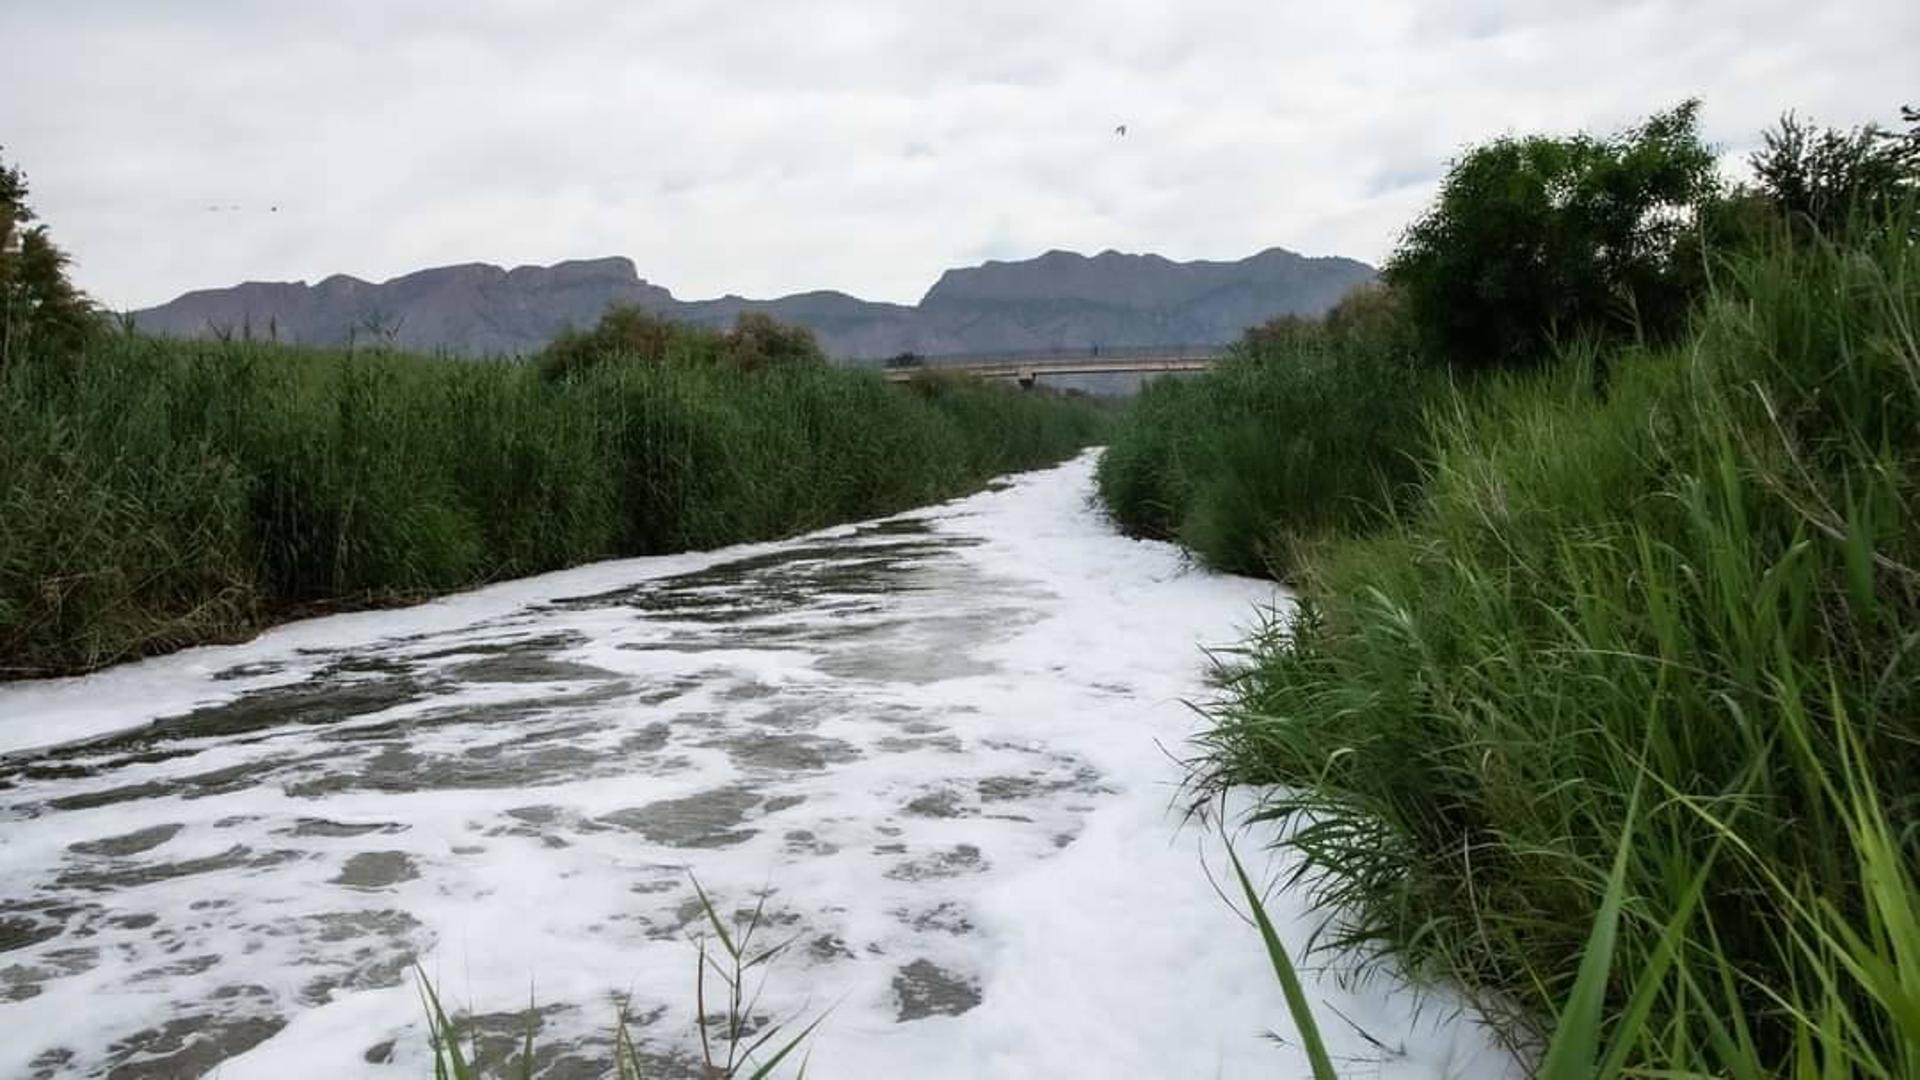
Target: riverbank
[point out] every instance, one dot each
(939, 742)
(165, 494)
(1601, 700)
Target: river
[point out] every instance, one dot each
(938, 751)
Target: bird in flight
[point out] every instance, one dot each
(1121, 130)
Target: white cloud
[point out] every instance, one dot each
(765, 146)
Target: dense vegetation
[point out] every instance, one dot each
(1315, 426)
(40, 310)
(1305, 428)
(1609, 717)
(156, 494)
(1536, 238)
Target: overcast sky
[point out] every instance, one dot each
(770, 146)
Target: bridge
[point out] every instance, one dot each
(1030, 367)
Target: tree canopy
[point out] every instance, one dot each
(1824, 178)
(1537, 237)
(631, 334)
(39, 308)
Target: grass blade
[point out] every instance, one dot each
(1575, 1049)
(1289, 980)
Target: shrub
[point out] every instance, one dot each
(629, 334)
(758, 340)
(1822, 179)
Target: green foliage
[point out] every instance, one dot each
(1304, 1021)
(13, 205)
(736, 957)
(759, 340)
(1539, 239)
(633, 335)
(1824, 178)
(40, 310)
(1307, 429)
(162, 494)
(629, 334)
(1619, 727)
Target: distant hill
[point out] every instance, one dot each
(1060, 300)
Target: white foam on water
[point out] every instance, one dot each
(942, 746)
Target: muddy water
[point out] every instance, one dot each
(920, 745)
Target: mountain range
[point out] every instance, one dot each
(1060, 300)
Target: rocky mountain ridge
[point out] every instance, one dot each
(1059, 300)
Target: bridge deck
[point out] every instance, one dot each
(1027, 370)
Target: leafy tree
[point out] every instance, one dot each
(13, 206)
(1278, 335)
(632, 335)
(1375, 314)
(40, 310)
(624, 332)
(1821, 178)
(759, 340)
(1538, 237)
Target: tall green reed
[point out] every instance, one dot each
(159, 494)
(1616, 730)
(1307, 429)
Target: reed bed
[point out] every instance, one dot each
(157, 494)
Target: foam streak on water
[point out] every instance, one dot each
(938, 745)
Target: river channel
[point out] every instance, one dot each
(937, 751)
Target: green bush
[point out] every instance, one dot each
(1822, 179)
(1671, 627)
(632, 335)
(758, 340)
(1537, 239)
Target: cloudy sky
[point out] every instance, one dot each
(769, 146)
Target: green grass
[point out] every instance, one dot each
(1306, 430)
(1618, 727)
(1284, 973)
(159, 494)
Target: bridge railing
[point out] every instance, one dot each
(1016, 356)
